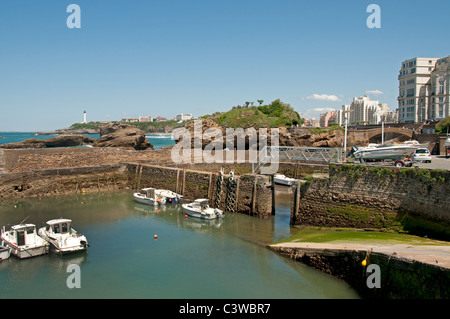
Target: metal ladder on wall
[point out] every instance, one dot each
(313, 154)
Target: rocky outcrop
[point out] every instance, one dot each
(57, 141)
(122, 135)
(296, 137)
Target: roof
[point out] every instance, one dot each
(58, 221)
(15, 227)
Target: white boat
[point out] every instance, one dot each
(385, 152)
(171, 197)
(200, 209)
(62, 238)
(24, 242)
(148, 196)
(5, 252)
(283, 180)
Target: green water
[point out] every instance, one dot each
(190, 259)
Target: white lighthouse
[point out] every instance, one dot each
(84, 119)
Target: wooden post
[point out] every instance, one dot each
(210, 187)
(254, 198)
(237, 195)
(273, 195)
(297, 199)
(178, 177)
(184, 181)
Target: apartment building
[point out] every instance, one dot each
(423, 89)
(365, 111)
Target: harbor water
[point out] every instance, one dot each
(189, 258)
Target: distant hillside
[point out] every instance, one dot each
(165, 126)
(275, 114)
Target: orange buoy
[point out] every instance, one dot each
(155, 236)
(185, 216)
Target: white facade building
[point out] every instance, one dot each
(183, 117)
(146, 118)
(424, 89)
(365, 111)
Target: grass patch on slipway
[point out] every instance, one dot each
(340, 235)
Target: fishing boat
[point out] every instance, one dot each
(171, 197)
(5, 252)
(283, 180)
(148, 196)
(24, 242)
(62, 238)
(200, 209)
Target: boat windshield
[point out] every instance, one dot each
(61, 228)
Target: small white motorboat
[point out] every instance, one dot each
(5, 252)
(283, 180)
(148, 196)
(200, 209)
(171, 197)
(62, 238)
(24, 242)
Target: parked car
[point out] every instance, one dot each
(422, 155)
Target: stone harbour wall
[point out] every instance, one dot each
(252, 194)
(52, 182)
(400, 278)
(360, 196)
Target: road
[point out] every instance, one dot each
(437, 162)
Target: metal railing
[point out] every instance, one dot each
(317, 154)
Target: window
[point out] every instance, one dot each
(64, 228)
(56, 229)
(30, 230)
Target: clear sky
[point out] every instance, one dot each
(164, 57)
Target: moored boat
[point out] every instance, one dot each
(24, 242)
(171, 197)
(283, 180)
(5, 252)
(200, 209)
(148, 196)
(62, 238)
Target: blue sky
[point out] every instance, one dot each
(144, 57)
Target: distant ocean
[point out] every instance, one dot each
(157, 140)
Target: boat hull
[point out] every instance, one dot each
(392, 154)
(5, 252)
(148, 201)
(200, 214)
(28, 252)
(75, 245)
(283, 182)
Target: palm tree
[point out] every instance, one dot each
(260, 102)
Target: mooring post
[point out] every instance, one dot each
(254, 197)
(184, 181)
(273, 195)
(297, 199)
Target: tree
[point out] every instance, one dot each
(260, 102)
(443, 125)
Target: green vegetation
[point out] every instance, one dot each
(331, 128)
(344, 235)
(443, 125)
(144, 126)
(275, 114)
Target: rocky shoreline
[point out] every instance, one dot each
(111, 135)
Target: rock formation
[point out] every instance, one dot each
(122, 135)
(57, 141)
(296, 137)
